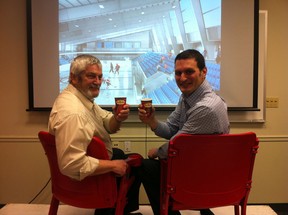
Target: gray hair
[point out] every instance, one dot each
(80, 63)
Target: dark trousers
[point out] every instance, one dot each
(150, 176)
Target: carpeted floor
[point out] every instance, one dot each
(41, 209)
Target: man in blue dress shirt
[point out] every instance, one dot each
(199, 111)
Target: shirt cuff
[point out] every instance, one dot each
(163, 151)
(89, 168)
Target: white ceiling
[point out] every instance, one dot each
(85, 21)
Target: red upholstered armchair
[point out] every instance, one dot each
(207, 171)
(92, 192)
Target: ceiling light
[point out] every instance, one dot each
(173, 5)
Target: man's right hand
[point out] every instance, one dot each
(148, 119)
(120, 167)
(144, 116)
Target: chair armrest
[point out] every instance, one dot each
(97, 149)
(134, 160)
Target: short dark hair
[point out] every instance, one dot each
(192, 54)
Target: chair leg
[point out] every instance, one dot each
(243, 209)
(53, 206)
(236, 209)
(164, 196)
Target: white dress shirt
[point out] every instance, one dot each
(74, 120)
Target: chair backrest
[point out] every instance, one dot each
(92, 192)
(206, 171)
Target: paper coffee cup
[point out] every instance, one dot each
(119, 102)
(147, 105)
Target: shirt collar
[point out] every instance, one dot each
(85, 101)
(197, 93)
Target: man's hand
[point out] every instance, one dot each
(120, 167)
(152, 154)
(123, 114)
(148, 119)
(144, 116)
(116, 120)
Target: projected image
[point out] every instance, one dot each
(137, 41)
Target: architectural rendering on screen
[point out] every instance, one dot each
(137, 41)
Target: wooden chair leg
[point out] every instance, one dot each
(53, 206)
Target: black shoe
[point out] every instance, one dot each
(206, 212)
(174, 212)
(104, 211)
(137, 213)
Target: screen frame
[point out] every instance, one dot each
(31, 106)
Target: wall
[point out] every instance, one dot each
(23, 166)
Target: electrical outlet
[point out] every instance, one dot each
(272, 102)
(127, 146)
(116, 145)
